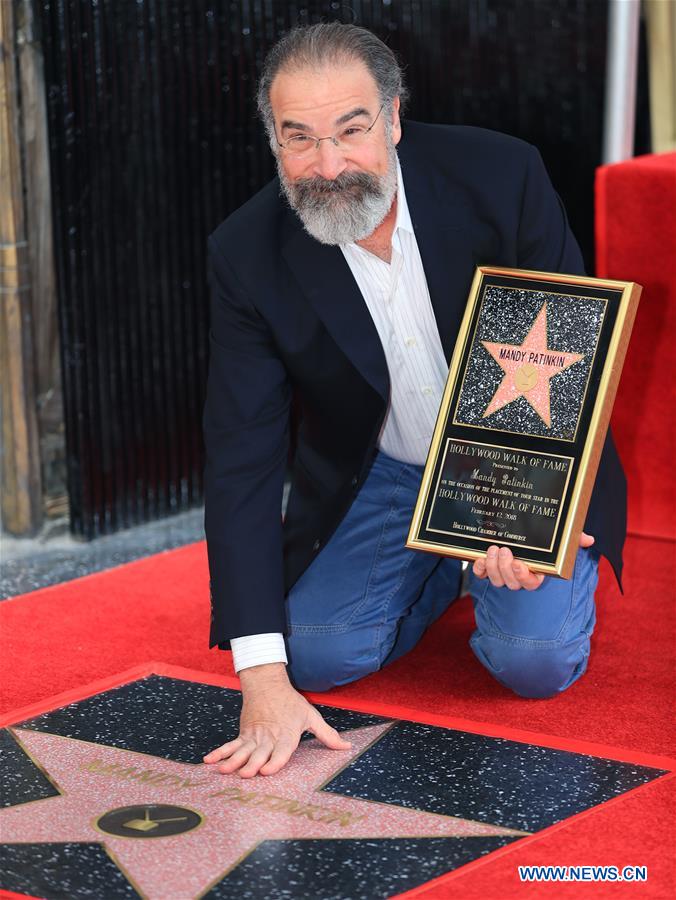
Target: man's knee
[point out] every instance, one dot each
(534, 669)
(319, 661)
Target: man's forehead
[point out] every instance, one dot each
(327, 92)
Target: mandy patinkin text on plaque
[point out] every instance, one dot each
(524, 416)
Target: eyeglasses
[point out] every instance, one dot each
(350, 137)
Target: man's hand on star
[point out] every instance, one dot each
(274, 717)
(502, 570)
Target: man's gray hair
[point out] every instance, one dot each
(314, 46)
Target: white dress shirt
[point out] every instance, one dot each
(398, 300)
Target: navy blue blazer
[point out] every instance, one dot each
(287, 319)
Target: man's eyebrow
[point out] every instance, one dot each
(301, 126)
(358, 111)
(288, 123)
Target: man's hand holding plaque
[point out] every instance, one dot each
(502, 570)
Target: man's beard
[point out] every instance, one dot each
(344, 210)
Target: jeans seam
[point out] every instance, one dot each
(573, 592)
(318, 629)
(530, 643)
(590, 611)
(378, 554)
(375, 647)
(379, 627)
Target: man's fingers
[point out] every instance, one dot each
(506, 563)
(504, 571)
(280, 756)
(586, 540)
(528, 580)
(257, 760)
(493, 567)
(223, 751)
(238, 759)
(327, 735)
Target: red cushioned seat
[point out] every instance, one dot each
(636, 241)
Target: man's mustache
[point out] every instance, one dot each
(362, 182)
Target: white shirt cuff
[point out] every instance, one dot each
(258, 650)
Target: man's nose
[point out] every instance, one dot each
(329, 162)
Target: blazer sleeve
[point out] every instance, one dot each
(546, 243)
(246, 434)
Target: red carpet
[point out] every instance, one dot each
(62, 637)
(635, 241)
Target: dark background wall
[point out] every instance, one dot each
(153, 141)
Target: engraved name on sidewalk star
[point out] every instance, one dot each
(182, 827)
(528, 368)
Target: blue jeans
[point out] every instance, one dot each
(366, 599)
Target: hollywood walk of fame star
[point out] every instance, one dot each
(182, 827)
(528, 368)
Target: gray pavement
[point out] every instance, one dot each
(54, 555)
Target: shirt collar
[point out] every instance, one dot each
(403, 216)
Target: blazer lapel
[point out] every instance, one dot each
(327, 281)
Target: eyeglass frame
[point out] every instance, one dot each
(329, 137)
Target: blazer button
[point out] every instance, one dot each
(316, 545)
(355, 481)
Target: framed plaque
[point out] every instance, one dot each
(524, 416)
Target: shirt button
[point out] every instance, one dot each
(316, 544)
(427, 390)
(410, 342)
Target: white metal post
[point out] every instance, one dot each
(621, 72)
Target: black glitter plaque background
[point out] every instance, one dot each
(412, 765)
(506, 316)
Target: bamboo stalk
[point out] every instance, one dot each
(21, 488)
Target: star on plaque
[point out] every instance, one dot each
(152, 815)
(528, 368)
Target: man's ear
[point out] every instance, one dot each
(396, 122)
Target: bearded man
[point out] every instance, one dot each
(343, 283)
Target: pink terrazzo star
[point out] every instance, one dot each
(237, 815)
(528, 368)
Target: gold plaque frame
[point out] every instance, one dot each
(615, 308)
